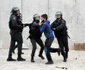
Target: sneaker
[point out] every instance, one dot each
(50, 62)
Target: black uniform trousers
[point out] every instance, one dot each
(40, 42)
(63, 44)
(16, 37)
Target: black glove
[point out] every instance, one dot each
(24, 25)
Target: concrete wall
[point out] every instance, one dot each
(73, 12)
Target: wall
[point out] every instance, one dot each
(5, 9)
(73, 12)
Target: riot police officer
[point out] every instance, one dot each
(20, 21)
(35, 37)
(60, 30)
(16, 28)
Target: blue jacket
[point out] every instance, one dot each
(46, 28)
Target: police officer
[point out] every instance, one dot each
(35, 37)
(16, 28)
(20, 21)
(60, 31)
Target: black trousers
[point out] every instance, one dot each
(34, 41)
(63, 44)
(16, 37)
(48, 48)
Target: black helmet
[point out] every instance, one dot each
(58, 13)
(14, 9)
(36, 17)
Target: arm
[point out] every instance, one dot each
(42, 28)
(27, 24)
(52, 26)
(61, 26)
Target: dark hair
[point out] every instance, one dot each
(45, 16)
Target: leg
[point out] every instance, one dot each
(12, 44)
(33, 49)
(14, 48)
(39, 41)
(54, 50)
(19, 44)
(47, 51)
(62, 48)
(66, 46)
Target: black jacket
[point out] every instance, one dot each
(15, 24)
(34, 31)
(60, 27)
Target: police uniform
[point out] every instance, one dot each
(35, 37)
(16, 36)
(19, 17)
(60, 31)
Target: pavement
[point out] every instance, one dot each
(76, 61)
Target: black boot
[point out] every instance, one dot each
(65, 59)
(41, 56)
(20, 58)
(10, 58)
(50, 62)
(67, 55)
(32, 59)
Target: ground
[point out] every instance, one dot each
(76, 61)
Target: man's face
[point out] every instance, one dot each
(42, 19)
